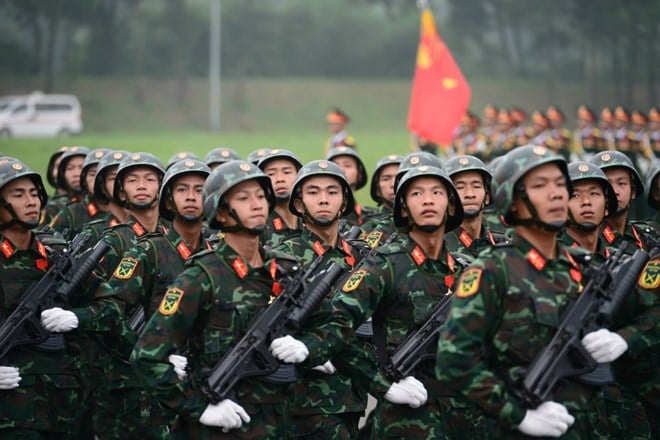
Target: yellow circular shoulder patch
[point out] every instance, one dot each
(354, 280)
(170, 303)
(650, 276)
(125, 268)
(468, 284)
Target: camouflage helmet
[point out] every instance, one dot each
(651, 179)
(391, 159)
(612, 159)
(92, 158)
(109, 160)
(135, 160)
(224, 178)
(579, 171)
(514, 166)
(279, 154)
(180, 156)
(351, 152)
(255, 156)
(454, 207)
(467, 162)
(12, 169)
(321, 168)
(413, 160)
(77, 151)
(51, 165)
(221, 155)
(178, 169)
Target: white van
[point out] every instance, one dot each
(40, 115)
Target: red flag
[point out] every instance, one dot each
(440, 93)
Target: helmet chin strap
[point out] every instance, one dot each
(472, 213)
(428, 229)
(240, 227)
(583, 227)
(14, 219)
(282, 199)
(534, 219)
(324, 222)
(190, 219)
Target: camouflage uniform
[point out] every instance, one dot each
(384, 211)
(47, 400)
(506, 309)
(398, 287)
(355, 216)
(209, 306)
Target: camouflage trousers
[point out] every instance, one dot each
(394, 421)
(626, 416)
(267, 421)
(341, 426)
(129, 413)
(46, 402)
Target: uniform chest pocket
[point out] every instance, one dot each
(227, 322)
(13, 290)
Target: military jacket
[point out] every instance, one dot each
(277, 230)
(459, 240)
(74, 216)
(631, 234)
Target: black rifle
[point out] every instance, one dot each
(565, 356)
(137, 320)
(419, 345)
(285, 315)
(59, 283)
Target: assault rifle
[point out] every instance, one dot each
(57, 286)
(251, 356)
(419, 345)
(565, 356)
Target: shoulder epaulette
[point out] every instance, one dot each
(462, 259)
(197, 256)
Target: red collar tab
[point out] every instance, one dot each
(490, 237)
(536, 259)
(92, 210)
(449, 279)
(465, 238)
(350, 259)
(183, 250)
(318, 248)
(138, 229)
(165, 230)
(608, 233)
(418, 255)
(208, 246)
(113, 222)
(576, 274)
(42, 263)
(278, 224)
(6, 248)
(277, 287)
(638, 240)
(240, 267)
(358, 211)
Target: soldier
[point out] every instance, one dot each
(654, 131)
(606, 125)
(180, 156)
(255, 156)
(587, 138)
(75, 216)
(508, 305)
(489, 122)
(210, 305)
(337, 121)
(356, 173)
(58, 200)
(560, 136)
(627, 185)
(281, 166)
(325, 405)
(653, 195)
(399, 286)
(471, 179)
(467, 140)
(220, 155)
(382, 192)
(69, 166)
(40, 391)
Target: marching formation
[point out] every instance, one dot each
(510, 291)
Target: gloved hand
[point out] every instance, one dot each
(288, 349)
(58, 320)
(407, 391)
(226, 415)
(326, 368)
(550, 419)
(180, 363)
(9, 378)
(604, 346)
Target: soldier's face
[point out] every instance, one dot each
(620, 180)
(249, 201)
(587, 203)
(141, 185)
(282, 174)
(72, 172)
(427, 200)
(386, 182)
(23, 197)
(109, 184)
(349, 166)
(323, 197)
(471, 190)
(187, 195)
(89, 178)
(547, 190)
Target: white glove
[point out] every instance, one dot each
(550, 419)
(226, 415)
(58, 320)
(604, 346)
(407, 391)
(288, 349)
(9, 378)
(180, 363)
(326, 368)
